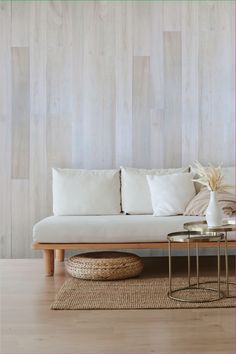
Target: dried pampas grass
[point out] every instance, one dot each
(210, 176)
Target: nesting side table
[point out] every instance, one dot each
(202, 228)
(194, 237)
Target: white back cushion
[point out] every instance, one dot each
(135, 193)
(170, 194)
(86, 192)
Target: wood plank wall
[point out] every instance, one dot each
(97, 84)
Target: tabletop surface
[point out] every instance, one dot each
(186, 236)
(201, 226)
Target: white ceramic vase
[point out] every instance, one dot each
(214, 215)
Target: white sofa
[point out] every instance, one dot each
(116, 231)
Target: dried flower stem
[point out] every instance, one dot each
(210, 176)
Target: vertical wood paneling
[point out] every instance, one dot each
(190, 105)
(206, 118)
(38, 110)
(92, 116)
(141, 111)
(225, 92)
(225, 15)
(172, 15)
(141, 28)
(55, 23)
(222, 91)
(124, 77)
(207, 16)
(78, 84)
(5, 130)
(108, 110)
(106, 27)
(20, 112)
(99, 108)
(99, 84)
(216, 15)
(20, 23)
(59, 24)
(59, 89)
(157, 56)
(215, 89)
(173, 115)
(157, 138)
(99, 31)
(59, 111)
(21, 236)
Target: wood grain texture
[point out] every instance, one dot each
(99, 84)
(20, 112)
(124, 81)
(78, 84)
(59, 112)
(5, 130)
(128, 245)
(47, 331)
(156, 56)
(99, 27)
(141, 111)
(216, 86)
(49, 262)
(216, 15)
(21, 235)
(172, 112)
(59, 24)
(222, 89)
(60, 255)
(190, 103)
(99, 107)
(172, 15)
(20, 34)
(38, 114)
(157, 139)
(141, 28)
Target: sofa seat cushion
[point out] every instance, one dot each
(109, 228)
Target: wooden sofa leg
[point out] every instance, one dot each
(49, 262)
(60, 254)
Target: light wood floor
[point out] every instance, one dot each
(29, 326)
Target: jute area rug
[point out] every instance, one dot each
(138, 293)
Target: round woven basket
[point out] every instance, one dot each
(104, 265)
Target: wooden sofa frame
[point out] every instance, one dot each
(50, 248)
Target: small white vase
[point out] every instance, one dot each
(214, 215)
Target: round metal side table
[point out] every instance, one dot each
(194, 237)
(202, 227)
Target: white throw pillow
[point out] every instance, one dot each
(86, 192)
(135, 192)
(170, 194)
